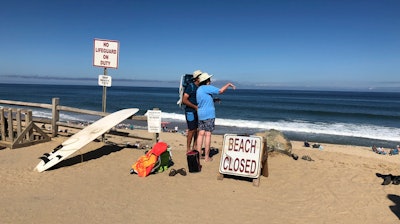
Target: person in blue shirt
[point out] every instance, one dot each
(189, 100)
(395, 151)
(206, 111)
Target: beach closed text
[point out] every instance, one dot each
(241, 156)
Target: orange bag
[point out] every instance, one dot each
(150, 162)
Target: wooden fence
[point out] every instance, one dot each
(25, 133)
(55, 119)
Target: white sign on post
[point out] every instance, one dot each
(154, 121)
(106, 53)
(105, 80)
(241, 156)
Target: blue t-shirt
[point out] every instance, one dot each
(191, 91)
(205, 101)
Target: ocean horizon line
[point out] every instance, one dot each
(295, 86)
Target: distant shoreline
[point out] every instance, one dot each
(174, 84)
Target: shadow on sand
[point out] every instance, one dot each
(95, 154)
(396, 207)
(388, 179)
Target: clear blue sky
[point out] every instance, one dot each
(280, 43)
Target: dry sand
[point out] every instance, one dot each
(94, 186)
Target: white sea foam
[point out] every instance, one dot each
(64, 116)
(339, 129)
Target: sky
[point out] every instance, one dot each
(280, 44)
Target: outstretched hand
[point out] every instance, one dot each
(226, 86)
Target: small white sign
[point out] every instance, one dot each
(105, 53)
(154, 121)
(105, 80)
(241, 156)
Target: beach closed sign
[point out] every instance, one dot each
(241, 156)
(106, 53)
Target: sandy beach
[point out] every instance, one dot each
(95, 186)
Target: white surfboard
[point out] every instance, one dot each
(185, 79)
(82, 138)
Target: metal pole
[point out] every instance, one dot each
(103, 137)
(105, 93)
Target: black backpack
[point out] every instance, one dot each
(193, 160)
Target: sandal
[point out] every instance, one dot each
(213, 151)
(308, 158)
(172, 173)
(387, 180)
(181, 171)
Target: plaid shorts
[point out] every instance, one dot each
(207, 125)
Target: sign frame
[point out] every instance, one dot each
(105, 53)
(153, 121)
(105, 80)
(240, 159)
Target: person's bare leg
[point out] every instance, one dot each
(195, 134)
(189, 138)
(207, 146)
(200, 137)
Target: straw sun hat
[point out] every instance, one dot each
(196, 74)
(204, 76)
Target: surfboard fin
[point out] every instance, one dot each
(45, 159)
(57, 148)
(59, 156)
(46, 154)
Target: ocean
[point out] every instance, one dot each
(357, 118)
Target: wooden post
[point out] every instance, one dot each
(156, 135)
(10, 125)
(28, 119)
(56, 116)
(18, 120)
(264, 169)
(2, 125)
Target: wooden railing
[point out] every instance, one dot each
(56, 108)
(23, 133)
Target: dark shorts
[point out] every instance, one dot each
(192, 120)
(207, 125)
